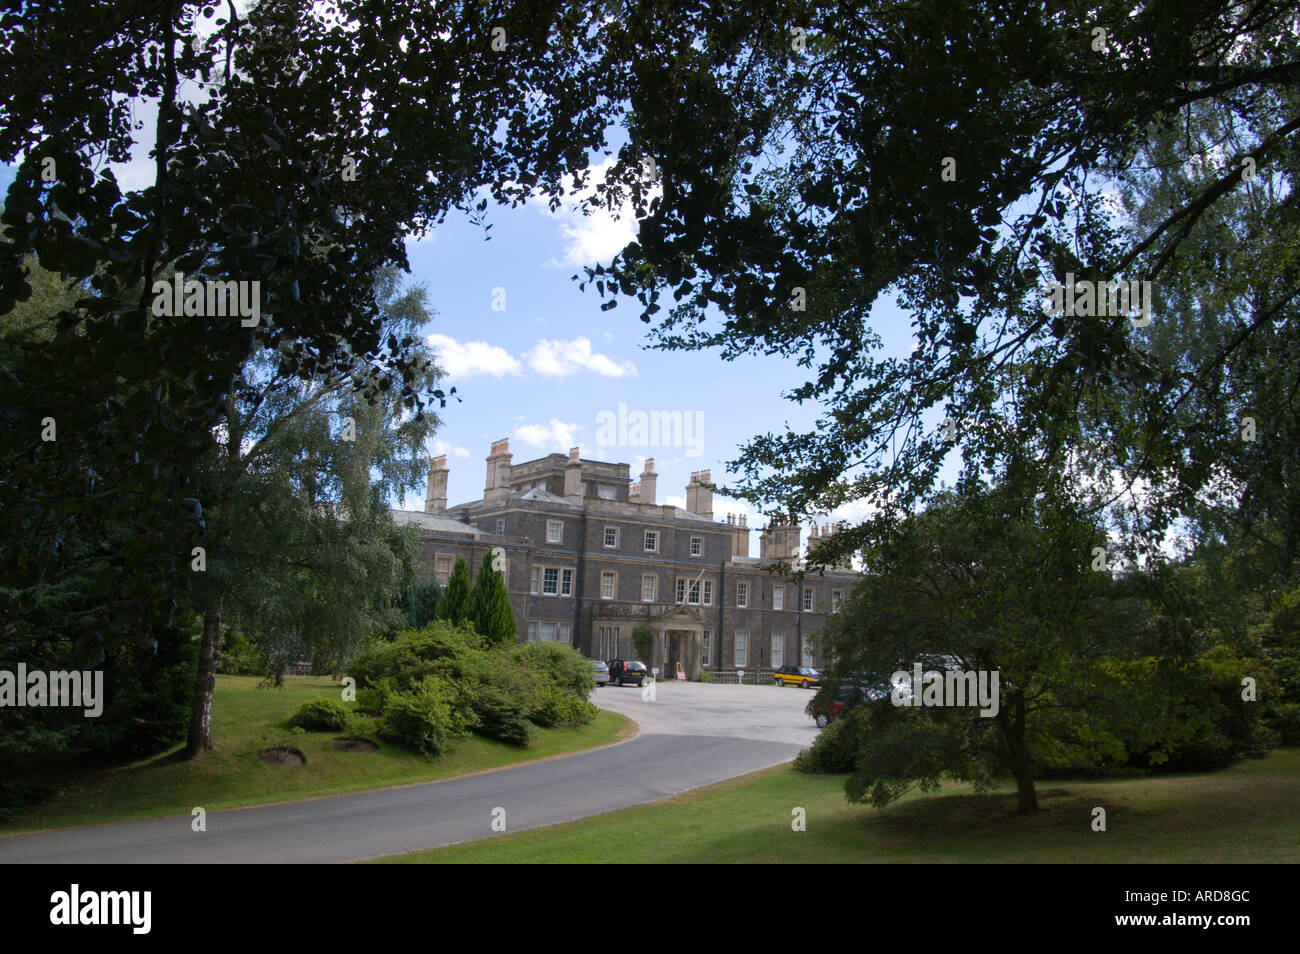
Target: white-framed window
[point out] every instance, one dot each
(611, 538)
(742, 595)
(688, 591)
(704, 648)
(837, 599)
(697, 546)
(442, 565)
(652, 541)
(550, 581)
(566, 582)
(807, 599)
(607, 492)
(546, 632)
(608, 585)
(554, 531)
(562, 632)
(534, 580)
(807, 652)
(778, 597)
(532, 632)
(501, 526)
(649, 588)
(778, 650)
(742, 649)
(708, 592)
(680, 595)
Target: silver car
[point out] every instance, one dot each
(600, 671)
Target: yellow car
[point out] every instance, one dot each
(802, 676)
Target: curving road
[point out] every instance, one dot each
(690, 735)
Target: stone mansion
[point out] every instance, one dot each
(588, 556)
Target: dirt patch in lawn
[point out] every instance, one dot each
(355, 745)
(282, 756)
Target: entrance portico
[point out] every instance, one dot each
(678, 634)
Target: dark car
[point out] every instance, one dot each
(832, 700)
(622, 671)
(805, 677)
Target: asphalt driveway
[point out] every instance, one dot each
(690, 735)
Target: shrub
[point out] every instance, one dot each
(557, 707)
(558, 664)
(439, 649)
(371, 699)
(706, 676)
(833, 751)
(424, 717)
(498, 714)
(321, 715)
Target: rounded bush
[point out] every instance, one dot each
(320, 715)
(424, 718)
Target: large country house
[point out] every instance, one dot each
(589, 555)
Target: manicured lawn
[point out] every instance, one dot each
(1245, 813)
(233, 776)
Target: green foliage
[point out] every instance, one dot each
(321, 715)
(425, 717)
(558, 663)
(438, 649)
(832, 753)
(495, 692)
(454, 607)
(500, 708)
(642, 641)
(420, 602)
(240, 657)
(489, 605)
(558, 707)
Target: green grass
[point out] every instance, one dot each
(233, 776)
(1245, 813)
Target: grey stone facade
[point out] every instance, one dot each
(589, 556)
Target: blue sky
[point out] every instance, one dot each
(541, 371)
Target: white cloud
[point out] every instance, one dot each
(599, 235)
(467, 359)
(556, 435)
(451, 450)
(559, 359)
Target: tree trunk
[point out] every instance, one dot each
(200, 737)
(1013, 735)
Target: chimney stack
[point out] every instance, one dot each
(738, 529)
(649, 483)
(699, 498)
(435, 497)
(498, 472)
(573, 476)
(780, 541)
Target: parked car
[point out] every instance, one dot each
(623, 671)
(805, 677)
(601, 671)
